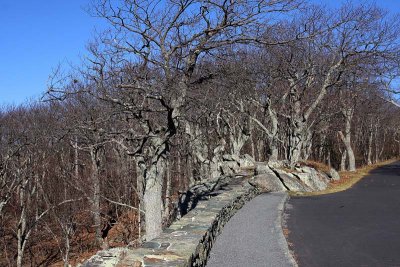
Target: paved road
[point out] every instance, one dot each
(253, 236)
(357, 227)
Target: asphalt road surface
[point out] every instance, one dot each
(253, 237)
(357, 227)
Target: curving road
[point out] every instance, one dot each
(357, 227)
(253, 236)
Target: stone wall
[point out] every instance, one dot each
(188, 241)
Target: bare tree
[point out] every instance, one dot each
(165, 40)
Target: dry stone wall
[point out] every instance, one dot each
(188, 241)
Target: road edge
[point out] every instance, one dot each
(280, 224)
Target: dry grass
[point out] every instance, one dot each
(347, 180)
(309, 163)
(316, 165)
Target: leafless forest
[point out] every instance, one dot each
(178, 92)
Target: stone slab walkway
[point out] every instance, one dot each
(253, 236)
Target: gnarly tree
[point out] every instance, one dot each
(159, 45)
(353, 37)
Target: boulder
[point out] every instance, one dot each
(267, 183)
(333, 174)
(276, 163)
(227, 157)
(232, 163)
(246, 161)
(312, 178)
(292, 182)
(235, 158)
(262, 168)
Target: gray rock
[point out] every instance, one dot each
(246, 161)
(235, 158)
(292, 182)
(109, 257)
(333, 174)
(262, 168)
(312, 178)
(276, 163)
(227, 157)
(267, 183)
(229, 167)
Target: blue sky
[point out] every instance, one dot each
(35, 36)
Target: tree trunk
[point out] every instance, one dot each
(96, 192)
(328, 158)
(297, 123)
(296, 139)
(273, 147)
(383, 145)
(152, 195)
(139, 189)
(253, 146)
(21, 233)
(179, 174)
(153, 200)
(369, 155)
(76, 158)
(321, 147)
(168, 191)
(216, 162)
(273, 135)
(376, 133)
(346, 137)
(260, 150)
(343, 161)
(238, 141)
(307, 145)
(22, 229)
(199, 150)
(67, 248)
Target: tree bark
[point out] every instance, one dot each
(271, 133)
(153, 171)
(21, 229)
(152, 199)
(94, 155)
(307, 144)
(296, 135)
(343, 161)
(369, 155)
(199, 150)
(346, 137)
(260, 150)
(168, 191)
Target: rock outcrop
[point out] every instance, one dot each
(312, 178)
(272, 177)
(267, 183)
